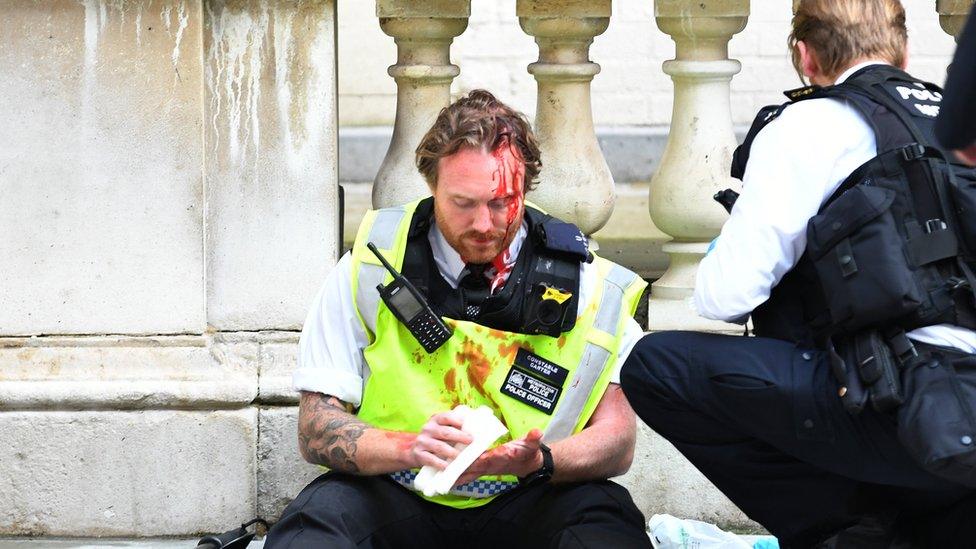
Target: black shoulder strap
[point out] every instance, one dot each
(741, 155)
(554, 235)
(908, 99)
(766, 115)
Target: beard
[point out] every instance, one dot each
(475, 246)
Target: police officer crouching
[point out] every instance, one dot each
(851, 417)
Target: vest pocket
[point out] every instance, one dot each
(860, 259)
(963, 195)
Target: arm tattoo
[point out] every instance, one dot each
(328, 432)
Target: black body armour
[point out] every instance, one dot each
(541, 295)
(891, 249)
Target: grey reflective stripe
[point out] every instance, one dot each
(614, 285)
(384, 229)
(383, 234)
(367, 298)
(577, 393)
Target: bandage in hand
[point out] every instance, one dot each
(484, 428)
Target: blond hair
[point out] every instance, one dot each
(844, 31)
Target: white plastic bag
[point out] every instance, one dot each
(668, 532)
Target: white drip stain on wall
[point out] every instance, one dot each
(234, 76)
(183, 18)
(303, 129)
(99, 12)
(180, 24)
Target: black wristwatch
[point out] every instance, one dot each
(542, 474)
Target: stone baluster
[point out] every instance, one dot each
(696, 160)
(423, 31)
(575, 183)
(952, 15)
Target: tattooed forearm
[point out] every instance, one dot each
(328, 433)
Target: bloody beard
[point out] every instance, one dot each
(506, 181)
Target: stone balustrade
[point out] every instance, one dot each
(170, 208)
(699, 151)
(575, 182)
(423, 32)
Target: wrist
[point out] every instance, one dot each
(403, 444)
(544, 467)
(533, 465)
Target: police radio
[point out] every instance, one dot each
(411, 309)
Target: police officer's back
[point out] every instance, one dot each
(849, 248)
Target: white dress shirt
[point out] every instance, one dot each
(795, 164)
(330, 359)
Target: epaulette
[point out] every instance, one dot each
(560, 236)
(801, 93)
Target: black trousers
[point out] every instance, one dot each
(761, 419)
(338, 511)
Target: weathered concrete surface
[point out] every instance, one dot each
(98, 543)
(661, 480)
(269, 103)
(282, 473)
(101, 168)
(143, 473)
(126, 373)
(277, 359)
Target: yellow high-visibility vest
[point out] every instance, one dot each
(476, 367)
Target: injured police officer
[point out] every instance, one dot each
(459, 369)
(850, 418)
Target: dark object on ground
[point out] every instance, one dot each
(238, 538)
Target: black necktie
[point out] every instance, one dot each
(474, 288)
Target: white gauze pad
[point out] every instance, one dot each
(484, 428)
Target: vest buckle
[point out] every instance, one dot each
(912, 152)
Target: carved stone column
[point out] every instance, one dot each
(696, 160)
(952, 15)
(423, 31)
(575, 183)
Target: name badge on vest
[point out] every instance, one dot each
(535, 381)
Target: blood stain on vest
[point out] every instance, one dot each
(418, 357)
(508, 351)
(561, 342)
(450, 380)
(478, 368)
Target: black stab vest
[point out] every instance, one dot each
(889, 210)
(546, 257)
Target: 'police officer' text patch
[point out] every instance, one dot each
(535, 381)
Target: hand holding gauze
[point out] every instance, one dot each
(484, 428)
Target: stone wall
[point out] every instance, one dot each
(168, 174)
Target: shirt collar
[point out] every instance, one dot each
(847, 74)
(449, 262)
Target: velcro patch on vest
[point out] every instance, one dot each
(535, 381)
(916, 98)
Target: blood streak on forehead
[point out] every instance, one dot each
(508, 176)
(508, 180)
